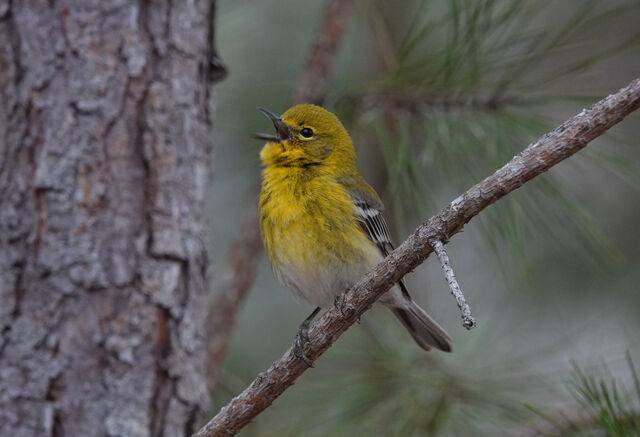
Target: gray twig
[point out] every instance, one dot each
(465, 312)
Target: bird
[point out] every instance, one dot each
(322, 224)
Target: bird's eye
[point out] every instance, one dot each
(306, 132)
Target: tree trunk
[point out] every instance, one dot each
(104, 162)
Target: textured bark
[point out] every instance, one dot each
(104, 159)
(567, 139)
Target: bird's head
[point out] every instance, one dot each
(307, 136)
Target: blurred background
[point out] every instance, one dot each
(437, 95)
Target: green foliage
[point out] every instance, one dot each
(470, 84)
(495, 51)
(604, 407)
(446, 92)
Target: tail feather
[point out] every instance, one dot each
(424, 330)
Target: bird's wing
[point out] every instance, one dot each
(369, 214)
(373, 224)
(368, 210)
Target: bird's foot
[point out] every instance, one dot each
(338, 302)
(301, 340)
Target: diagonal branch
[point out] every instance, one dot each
(550, 149)
(245, 252)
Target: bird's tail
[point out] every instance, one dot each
(424, 330)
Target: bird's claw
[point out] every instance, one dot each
(338, 302)
(302, 338)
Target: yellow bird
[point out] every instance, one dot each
(322, 223)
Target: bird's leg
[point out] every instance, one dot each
(302, 338)
(338, 302)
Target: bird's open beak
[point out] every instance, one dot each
(281, 128)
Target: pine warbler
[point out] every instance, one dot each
(322, 224)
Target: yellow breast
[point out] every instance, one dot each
(310, 230)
